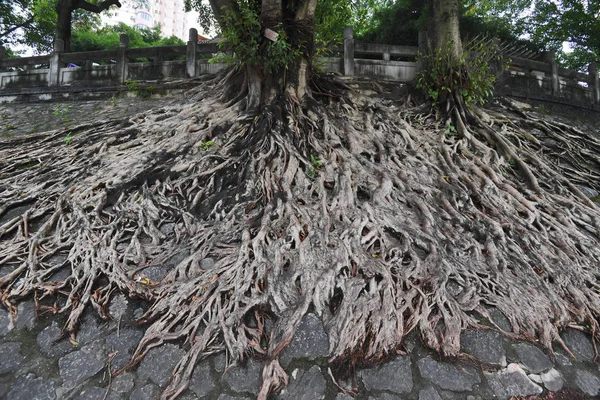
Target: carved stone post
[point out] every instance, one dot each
(594, 82)
(551, 59)
(122, 59)
(55, 63)
(2, 55)
(190, 55)
(349, 51)
(422, 49)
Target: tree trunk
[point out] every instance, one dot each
(444, 25)
(297, 20)
(65, 8)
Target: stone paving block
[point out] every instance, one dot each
(305, 385)
(562, 359)
(385, 396)
(394, 376)
(310, 341)
(343, 396)
(159, 363)
(587, 382)
(122, 344)
(511, 381)
(4, 322)
(10, 357)
(532, 357)
(448, 376)
(500, 319)
(50, 342)
(580, 344)
(76, 367)
(26, 317)
(29, 387)
(429, 394)
(244, 378)
(553, 380)
(148, 392)
(202, 382)
(225, 396)
(122, 383)
(487, 346)
(95, 393)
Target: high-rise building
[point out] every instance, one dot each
(168, 14)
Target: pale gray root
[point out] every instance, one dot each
(375, 217)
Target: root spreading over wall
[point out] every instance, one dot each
(367, 212)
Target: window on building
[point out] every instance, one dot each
(144, 15)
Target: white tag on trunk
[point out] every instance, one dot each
(271, 35)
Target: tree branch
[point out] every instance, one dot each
(98, 8)
(14, 28)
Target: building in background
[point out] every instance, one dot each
(168, 14)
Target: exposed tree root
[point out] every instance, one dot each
(374, 216)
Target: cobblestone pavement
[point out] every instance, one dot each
(36, 364)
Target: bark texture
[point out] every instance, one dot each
(360, 208)
(444, 27)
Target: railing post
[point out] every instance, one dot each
(55, 64)
(349, 51)
(594, 82)
(122, 59)
(2, 55)
(551, 58)
(190, 55)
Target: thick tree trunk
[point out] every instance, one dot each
(65, 8)
(297, 20)
(444, 25)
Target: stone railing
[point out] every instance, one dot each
(526, 79)
(546, 82)
(116, 67)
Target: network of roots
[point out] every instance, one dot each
(377, 217)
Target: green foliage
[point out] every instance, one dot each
(108, 38)
(60, 111)
(68, 139)
(316, 165)
(396, 22)
(207, 145)
(243, 34)
(472, 76)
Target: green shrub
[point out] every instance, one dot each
(472, 76)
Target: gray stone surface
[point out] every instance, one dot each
(122, 383)
(343, 396)
(50, 341)
(532, 358)
(202, 383)
(76, 367)
(159, 363)
(385, 396)
(553, 380)
(580, 344)
(310, 341)
(30, 387)
(486, 345)
(305, 385)
(511, 381)
(429, 394)
(500, 320)
(25, 315)
(225, 396)
(10, 357)
(4, 322)
(122, 343)
(448, 376)
(94, 393)
(245, 378)
(587, 382)
(148, 392)
(394, 376)
(563, 359)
